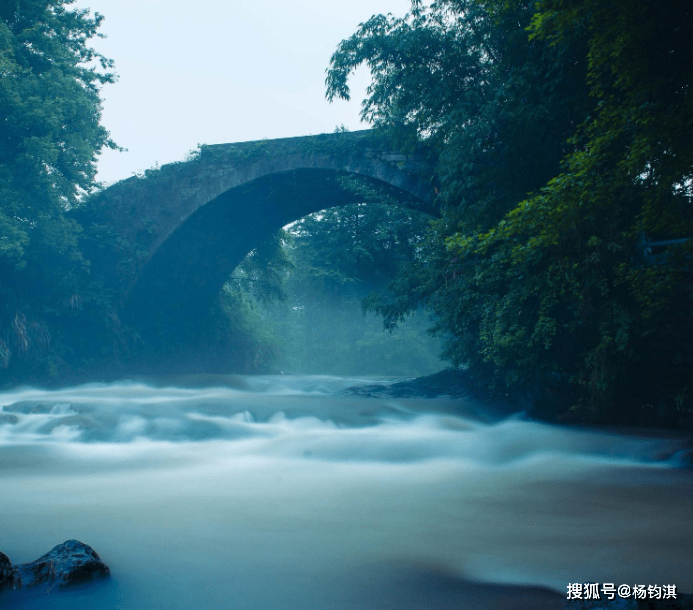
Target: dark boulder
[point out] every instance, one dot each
(6, 572)
(69, 563)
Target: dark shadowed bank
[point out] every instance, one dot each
(537, 402)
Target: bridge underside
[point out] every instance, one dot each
(177, 287)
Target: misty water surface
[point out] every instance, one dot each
(278, 492)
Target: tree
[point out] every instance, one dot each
(593, 308)
(341, 255)
(561, 138)
(50, 136)
(465, 79)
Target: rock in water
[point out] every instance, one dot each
(6, 572)
(69, 563)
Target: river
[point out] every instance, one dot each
(265, 493)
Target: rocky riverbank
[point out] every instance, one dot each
(542, 401)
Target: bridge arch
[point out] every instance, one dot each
(196, 221)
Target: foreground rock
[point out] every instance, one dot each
(6, 572)
(69, 563)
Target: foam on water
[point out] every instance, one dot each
(277, 492)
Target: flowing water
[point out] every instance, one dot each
(270, 493)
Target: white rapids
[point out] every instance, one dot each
(266, 493)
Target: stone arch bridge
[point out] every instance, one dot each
(189, 224)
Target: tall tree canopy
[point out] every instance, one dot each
(563, 132)
(50, 136)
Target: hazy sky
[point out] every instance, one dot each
(210, 71)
